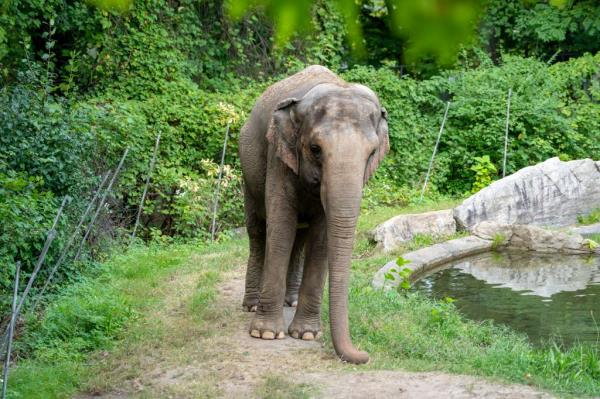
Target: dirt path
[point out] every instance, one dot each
(229, 363)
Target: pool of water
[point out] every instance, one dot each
(544, 296)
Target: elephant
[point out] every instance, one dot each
(307, 149)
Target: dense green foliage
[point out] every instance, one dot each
(82, 83)
(554, 112)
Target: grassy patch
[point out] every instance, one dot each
(96, 335)
(591, 218)
(276, 387)
(410, 331)
(594, 237)
(112, 313)
(414, 332)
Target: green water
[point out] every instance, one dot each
(543, 296)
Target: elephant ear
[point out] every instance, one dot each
(283, 133)
(384, 146)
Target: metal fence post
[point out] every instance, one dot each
(11, 329)
(216, 200)
(437, 142)
(506, 132)
(139, 213)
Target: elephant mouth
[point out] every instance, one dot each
(313, 190)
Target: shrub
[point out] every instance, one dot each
(43, 158)
(555, 111)
(484, 170)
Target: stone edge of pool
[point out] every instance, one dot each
(485, 237)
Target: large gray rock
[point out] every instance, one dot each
(390, 234)
(534, 238)
(552, 193)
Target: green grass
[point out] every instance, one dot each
(411, 331)
(103, 312)
(116, 311)
(594, 237)
(591, 218)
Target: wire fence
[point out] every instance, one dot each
(94, 208)
(439, 136)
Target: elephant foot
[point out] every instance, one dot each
(291, 300)
(305, 329)
(250, 303)
(267, 328)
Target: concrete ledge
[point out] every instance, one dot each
(585, 230)
(425, 259)
(485, 236)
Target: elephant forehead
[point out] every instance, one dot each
(337, 108)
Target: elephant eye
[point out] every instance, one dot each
(316, 150)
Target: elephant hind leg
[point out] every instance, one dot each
(254, 273)
(294, 273)
(307, 320)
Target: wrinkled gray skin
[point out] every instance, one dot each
(308, 147)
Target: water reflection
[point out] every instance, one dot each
(542, 295)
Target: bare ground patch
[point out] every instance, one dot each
(216, 357)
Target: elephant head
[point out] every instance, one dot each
(334, 138)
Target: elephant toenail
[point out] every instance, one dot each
(268, 335)
(253, 308)
(255, 333)
(308, 336)
(281, 335)
(294, 304)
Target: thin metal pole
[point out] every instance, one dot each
(49, 238)
(139, 213)
(40, 262)
(437, 142)
(101, 204)
(216, 199)
(506, 132)
(11, 329)
(65, 251)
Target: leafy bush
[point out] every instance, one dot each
(192, 123)
(484, 170)
(38, 137)
(43, 158)
(26, 212)
(591, 218)
(554, 112)
(193, 205)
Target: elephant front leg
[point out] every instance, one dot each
(268, 322)
(307, 320)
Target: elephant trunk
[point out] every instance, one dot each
(343, 192)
